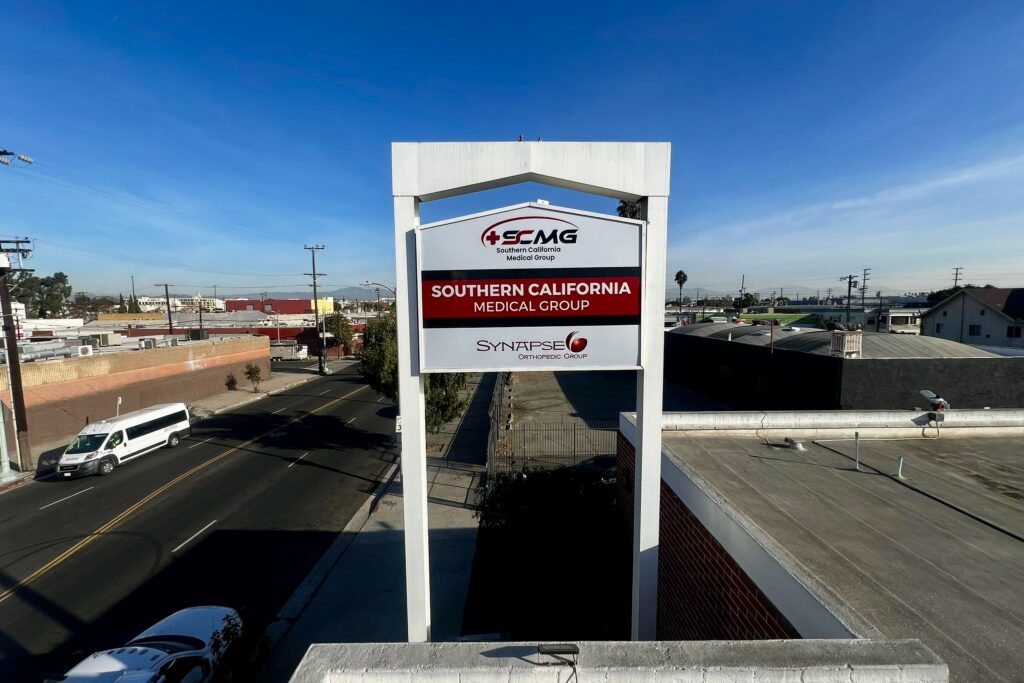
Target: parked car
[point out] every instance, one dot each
(190, 646)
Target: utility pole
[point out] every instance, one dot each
(864, 286)
(829, 299)
(956, 276)
(21, 248)
(743, 289)
(167, 297)
(316, 306)
(134, 302)
(851, 282)
(200, 315)
(878, 316)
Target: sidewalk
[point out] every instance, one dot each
(357, 593)
(362, 597)
(48, 453)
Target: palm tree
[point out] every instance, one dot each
(681, 279)
(628, 209)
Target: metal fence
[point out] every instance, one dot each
(548, 445)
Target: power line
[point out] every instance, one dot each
(140, 203)
(156, 262)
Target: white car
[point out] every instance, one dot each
(187, 647)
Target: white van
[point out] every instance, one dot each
(104, 445)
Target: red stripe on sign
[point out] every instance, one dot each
(533, 297)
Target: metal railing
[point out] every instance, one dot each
(532, 446)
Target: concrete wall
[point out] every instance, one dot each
(63, 396)
(751, 377)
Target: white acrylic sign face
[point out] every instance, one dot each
(530, 288)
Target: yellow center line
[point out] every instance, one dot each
(128, 512)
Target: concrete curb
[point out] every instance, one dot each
(19, 479)
(296, 604)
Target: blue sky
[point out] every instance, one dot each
(809, 139)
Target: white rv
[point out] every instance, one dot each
(104, 445)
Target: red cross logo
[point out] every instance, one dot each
(492, 237)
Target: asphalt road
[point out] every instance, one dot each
(236, 515)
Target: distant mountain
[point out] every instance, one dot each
(357, 293)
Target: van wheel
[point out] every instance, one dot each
(107, 466)
(173, 441)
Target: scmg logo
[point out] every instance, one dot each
(538, 233)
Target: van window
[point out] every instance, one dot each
(116, 439)
(86, 443)
(156, 424)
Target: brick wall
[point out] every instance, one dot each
(62, 396)
(702, 593)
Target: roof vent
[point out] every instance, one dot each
(796, 444)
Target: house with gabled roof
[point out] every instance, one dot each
(989, 316)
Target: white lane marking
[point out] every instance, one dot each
(190, 538)
(298, 459)
(277, 411)
(351, 421)
(324, 392)
(63, 499)
(200, 443)
(379, 399)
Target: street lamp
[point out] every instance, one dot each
(377, 284)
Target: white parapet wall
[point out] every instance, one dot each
(816, 424)
(774, 661)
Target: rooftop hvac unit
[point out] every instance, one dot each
(847, 344)
(84, 351)
(147, 343)
(174, 341)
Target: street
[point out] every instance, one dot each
(236, 515)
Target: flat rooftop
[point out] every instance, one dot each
(807, 340)
(938, 556)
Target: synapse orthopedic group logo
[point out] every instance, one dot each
(536, 233)
(571, 347)
(575, 345)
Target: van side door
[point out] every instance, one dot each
(117, 444)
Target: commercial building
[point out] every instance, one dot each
(191, 304)
(771, 368)
(272, 306)
(62, 396)
(843, 525)
(984, 316)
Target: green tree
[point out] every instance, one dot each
(378, 359)
(133, 305)
(941, 294)
(341, 327)
(44, 297)
(121, 308)
(681, 279)
(747, 301)
(82, 305)
(378, 362)
(254, 374)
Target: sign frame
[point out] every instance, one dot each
(641, 227)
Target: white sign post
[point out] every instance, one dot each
(531, 287)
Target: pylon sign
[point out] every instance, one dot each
(530, 287)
